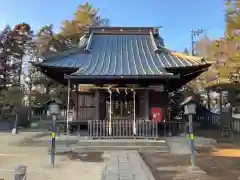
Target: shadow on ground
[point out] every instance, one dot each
(36, 141)
(83, 156)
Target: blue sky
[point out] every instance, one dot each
(177, 17)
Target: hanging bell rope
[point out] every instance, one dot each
(117, 90)
(126, 91)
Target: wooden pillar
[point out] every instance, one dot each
(146, 104)
(77, 102)
(68, 106)
(97, 100)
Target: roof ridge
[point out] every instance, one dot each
(157, 48)
(69, 51)
(119, 30)
(54, 56)
(89, 42)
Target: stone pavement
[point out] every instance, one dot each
(126, 165)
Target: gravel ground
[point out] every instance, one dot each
(175, 167)
(68, 166)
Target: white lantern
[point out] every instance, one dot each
(189, 105)
(54, 108)
(190, 108)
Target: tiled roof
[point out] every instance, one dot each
(121, 54)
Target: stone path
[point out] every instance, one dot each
(126, 165)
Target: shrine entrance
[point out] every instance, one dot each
(122, 105)
(125, 115)
(121, 112)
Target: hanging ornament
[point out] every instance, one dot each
(116, 101)
(117, 90)
(126, 91)
(126, 103)
(130, 107)
(109, 89)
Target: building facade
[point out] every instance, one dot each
(121, 74)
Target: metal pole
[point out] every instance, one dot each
(54, 117)
(195, 33)
(15, 129)
(192, 41)
(134, 113)
(68, 106)
(192, 146)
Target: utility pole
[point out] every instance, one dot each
(195, 33)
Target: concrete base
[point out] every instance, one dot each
(185, 170)
(194, 170)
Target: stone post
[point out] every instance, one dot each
(20, 173)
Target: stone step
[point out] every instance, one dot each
(120, 144)
(140, 143)
(116, 144)
(162, 149)
(121, 148)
